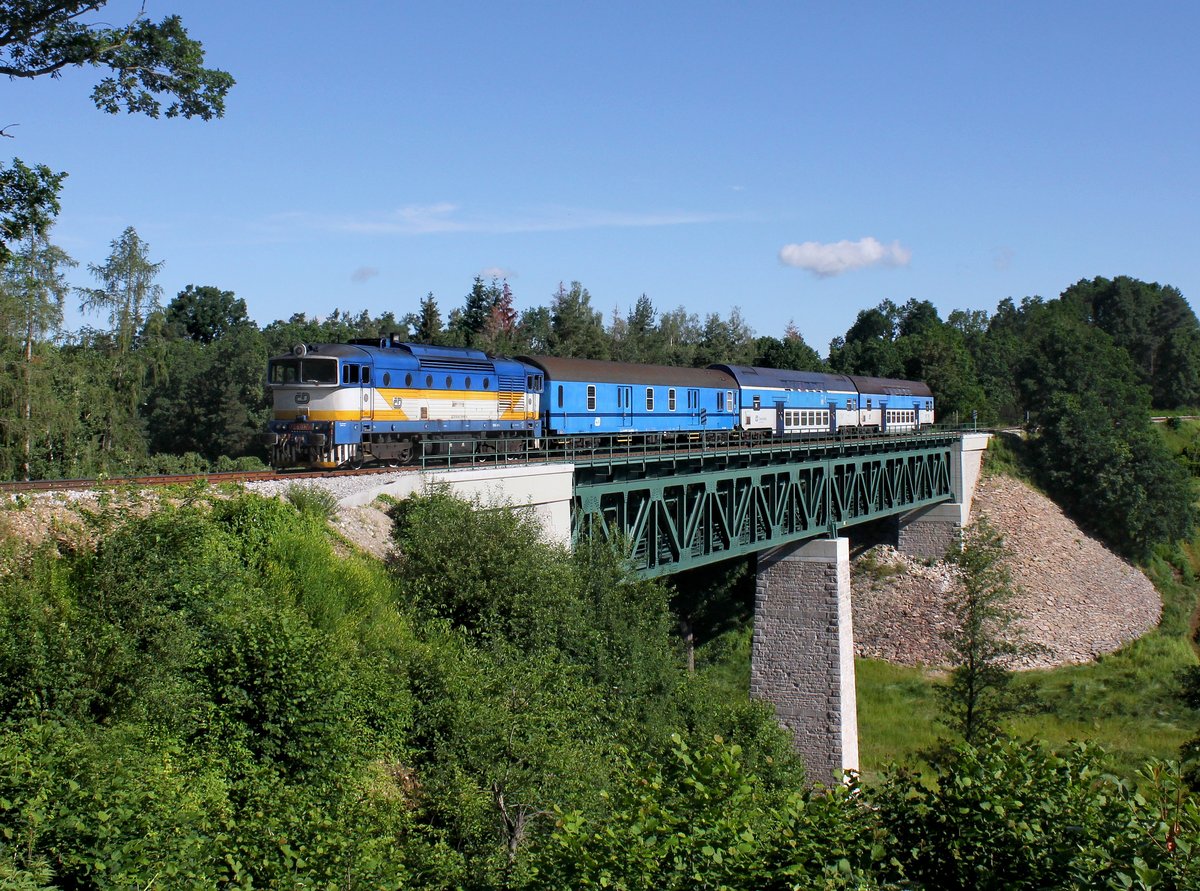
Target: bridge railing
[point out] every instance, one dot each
(615, 450)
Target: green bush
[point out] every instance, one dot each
(700, 819)
(1014, 815)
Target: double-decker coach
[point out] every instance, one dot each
(779, 402)
(891, 405)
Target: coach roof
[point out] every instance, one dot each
(890, 386)
(783, 379)
(594, 371)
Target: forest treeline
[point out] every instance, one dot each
(177, 385)
(206, 692)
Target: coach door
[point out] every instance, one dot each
(779, 419)
(625, 404)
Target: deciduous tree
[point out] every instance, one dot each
(146, 64)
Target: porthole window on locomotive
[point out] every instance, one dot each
(408, 380)
(429, 381)
(468, 381)
(387, 379)
(449, 380)
(487, 383)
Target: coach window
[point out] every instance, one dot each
(560, 395)
(649, 399)
(591, 397)
(868, 405)
(671, 399)
(729, 400)
(757, 403)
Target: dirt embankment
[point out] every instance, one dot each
(1077, 600)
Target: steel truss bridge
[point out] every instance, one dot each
(682, 509)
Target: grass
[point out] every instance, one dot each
(897, 713)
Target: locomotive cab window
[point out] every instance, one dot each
(366, 374)
(303, 371)
(591, 397)
(349, 374)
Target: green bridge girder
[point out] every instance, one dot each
(684, 510)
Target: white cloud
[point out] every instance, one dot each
(363, 274)
(496, 272)
(445, 217)
(826, 260)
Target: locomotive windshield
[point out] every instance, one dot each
(303, 371)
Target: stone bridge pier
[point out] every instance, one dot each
(803, 651)
(802, 657)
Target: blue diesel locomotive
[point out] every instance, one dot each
(339, 405)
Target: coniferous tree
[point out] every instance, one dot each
(33, 289)
(428, 328)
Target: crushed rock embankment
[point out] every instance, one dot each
(1077, 600)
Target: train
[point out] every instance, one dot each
(387, 401)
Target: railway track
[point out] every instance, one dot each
(180, 479)
(615, 450)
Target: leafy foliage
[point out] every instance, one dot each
(982, 638)
(1011, 815)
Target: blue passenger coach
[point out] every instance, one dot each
(590, 397)
(778, 402)
(893, 406)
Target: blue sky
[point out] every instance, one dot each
(797, 160)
